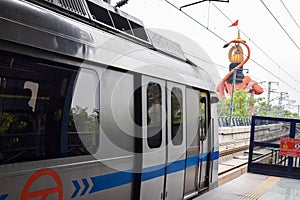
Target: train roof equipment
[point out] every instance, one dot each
(114, 25)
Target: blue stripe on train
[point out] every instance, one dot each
(108, 181)
(176, 166)
(194, 160)
(153, 172)
(3, 196)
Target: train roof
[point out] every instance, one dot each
(122, 38)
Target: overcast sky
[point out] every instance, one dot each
(270, 28)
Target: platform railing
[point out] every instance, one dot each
(236, 121)
(264, 149)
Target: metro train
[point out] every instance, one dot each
(95, 106)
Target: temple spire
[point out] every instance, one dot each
(239, 36)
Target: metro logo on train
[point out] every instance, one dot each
(290, 147)
(46, 172)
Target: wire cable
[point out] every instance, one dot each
(195, 21)
(290, 14)
(280, 24)
(268, 56)
(215, 34)
(291, 86)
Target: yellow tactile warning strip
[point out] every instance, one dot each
(259, 190)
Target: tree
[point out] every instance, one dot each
(223, 107)
(81, 121)
(242, 100)
(261, 107)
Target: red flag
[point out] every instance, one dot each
(235, 23)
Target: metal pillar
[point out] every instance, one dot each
(268, 101)
(280, 103)
(269, 94)
(232, 97)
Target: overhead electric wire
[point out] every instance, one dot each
(268, 56)
(292, 87)
(265, 55)
(195, 21)
(215, 34)
(222, 67)
(290, 14)
(280, 25)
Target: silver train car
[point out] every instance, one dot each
(94, 106)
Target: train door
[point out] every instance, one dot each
(153, 138)
(196, 174)
(205, 150)
(176, 141)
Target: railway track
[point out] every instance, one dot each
(227, 152)
(236, 166)
(233, 160)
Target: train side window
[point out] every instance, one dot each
(35, 97)
(20, 137)
(154, 115)
(203, 113)
(176, 116)
(83, 128)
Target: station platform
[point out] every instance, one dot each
(256, 186)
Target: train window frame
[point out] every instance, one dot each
(203, 115)
(177, 132)
(83, 142)
(154, 138)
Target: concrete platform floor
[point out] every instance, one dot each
(255, 186)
